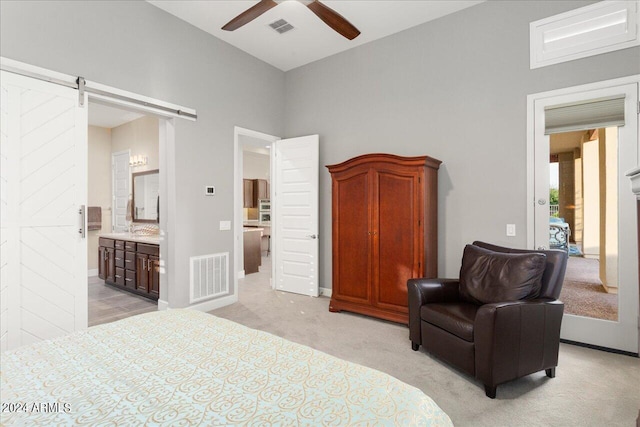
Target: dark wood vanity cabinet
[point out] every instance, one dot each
(148, 269)
(130, 269)
(106, 260)
(142, 272)
(154, 276)
(119, 261)
(129, 265)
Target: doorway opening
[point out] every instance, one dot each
(58, 304)
(121, 144)
(293, 206)
(583, 218)
(256, 207)
(253, 231)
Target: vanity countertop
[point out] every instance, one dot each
(256, 223)
(152, 239)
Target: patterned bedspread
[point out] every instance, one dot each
(184, 367)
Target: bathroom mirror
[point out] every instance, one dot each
(146, 190)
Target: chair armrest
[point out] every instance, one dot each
(514, 339)
(422, 291)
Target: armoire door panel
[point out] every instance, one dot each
(397, 227)
(352, 231)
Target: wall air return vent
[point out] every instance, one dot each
(209, 276)
(281, 26)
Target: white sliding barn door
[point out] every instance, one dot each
(43, 176)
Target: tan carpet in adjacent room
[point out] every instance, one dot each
(583, 293)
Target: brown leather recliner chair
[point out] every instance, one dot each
(501, 340)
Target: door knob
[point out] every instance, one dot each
(542, 202)
(542, 248)
(312, 236)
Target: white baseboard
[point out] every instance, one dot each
(92, 272)
(325, 292)
(162, 305)
(216, 303)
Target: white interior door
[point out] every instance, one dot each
(294, 215)
(120, 187)
(623, 333)
(43, 254)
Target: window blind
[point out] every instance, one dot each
(590, 114)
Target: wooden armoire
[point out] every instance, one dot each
(384, 210)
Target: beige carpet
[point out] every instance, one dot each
(592, 388)
(583, 294)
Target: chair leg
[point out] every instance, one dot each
(551, 372)
(414, 346)
(490, 391)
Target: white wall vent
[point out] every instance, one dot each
(209, 276)
(592, 30)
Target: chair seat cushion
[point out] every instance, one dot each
(456, 318)
(487, 276)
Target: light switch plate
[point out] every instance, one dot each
(511, 230)
(225, 225)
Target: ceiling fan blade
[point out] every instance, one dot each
(249, 14)
(334, 20)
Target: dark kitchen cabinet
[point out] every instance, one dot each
(248, 202)
(254, 190)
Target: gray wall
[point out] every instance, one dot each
(135, 46)
(454, 89)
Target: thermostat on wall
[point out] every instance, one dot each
(210, 190)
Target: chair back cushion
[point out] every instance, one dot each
(553, 276)
(488, 277)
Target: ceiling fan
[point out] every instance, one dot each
(328, 15)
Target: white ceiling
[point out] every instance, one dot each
(311, 39)
(254, 145)
(109, 117)
(567, 141)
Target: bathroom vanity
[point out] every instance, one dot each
(130, 262)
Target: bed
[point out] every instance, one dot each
(184, 367)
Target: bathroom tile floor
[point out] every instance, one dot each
(107, 303)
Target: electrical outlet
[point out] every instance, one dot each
(210, 190)
(225, 225)
(511, 230)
